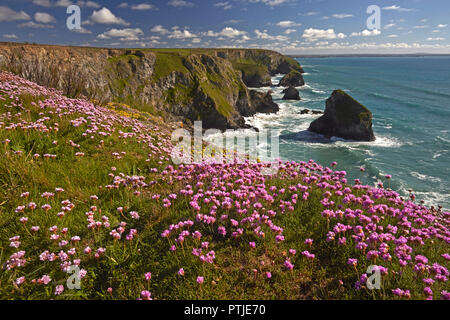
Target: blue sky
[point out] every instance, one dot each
(288, 26)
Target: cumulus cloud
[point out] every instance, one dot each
(32, 24)
(225, 5)
(143, 6)
(397, 8)
(288, 24)
(289, 31)
(65, 3)
(44, 17)
(342, 15)
(271, 3)
(105, 16)
(312, 34)
(265, 36)
(140, 7)
(43, 3)
(7, 14)
(227, 32)
(10, 36)
(178, 34)
(160, 29)
(366, 33)
(180, 3)
(127, 34)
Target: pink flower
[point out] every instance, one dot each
(288, 265)
(252, 244)
(59, 289)
(268, 275)
(146, 295)
(200, 280)
(148, 276)
(181, 272)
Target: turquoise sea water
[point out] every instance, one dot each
(410, 100)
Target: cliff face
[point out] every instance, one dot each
(178, 84)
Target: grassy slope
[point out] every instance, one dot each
(123, 265)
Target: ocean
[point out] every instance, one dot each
(410, 101)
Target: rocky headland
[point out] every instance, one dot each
(177, 84)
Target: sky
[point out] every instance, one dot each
(287, 26)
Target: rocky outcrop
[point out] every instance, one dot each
(254, 76)
(259, 102)
(177, 84)
(257, 66)
(346, 118)
(293, 78)
(291, 93)
(314, 112)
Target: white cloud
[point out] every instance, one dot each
(397, 8)
(105, 16)
(63, 3)
(312, 34)
(44, 17)
(271, 3)
(7, 14)
(309, 14)
(227, 32)
(435, 39)
(342, 15)
(90, 4)
(127, 34)
(392, 36)
(143, 6)
(232, 21)
(178, 34)
(289, 31)
(366, 33)
(32, 24)
(160, 29)
(10, 36)
(225, 5)
(288, 24)
(82, 31)
(180, 3)
(43, 3)
(442, 25)
(389, 26)
(265, 36)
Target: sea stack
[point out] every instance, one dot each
(293, 78)
(345, 118)
(291, 93)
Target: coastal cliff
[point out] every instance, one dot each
(177, 84)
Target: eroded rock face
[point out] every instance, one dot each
(291, 93)
(256, 79)
(345, 118)
(259, 102)
(180, 85)
(293, 78)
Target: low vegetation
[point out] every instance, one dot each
(94, 187)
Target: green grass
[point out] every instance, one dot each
(124, 264)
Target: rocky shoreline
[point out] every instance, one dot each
(185, 85)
